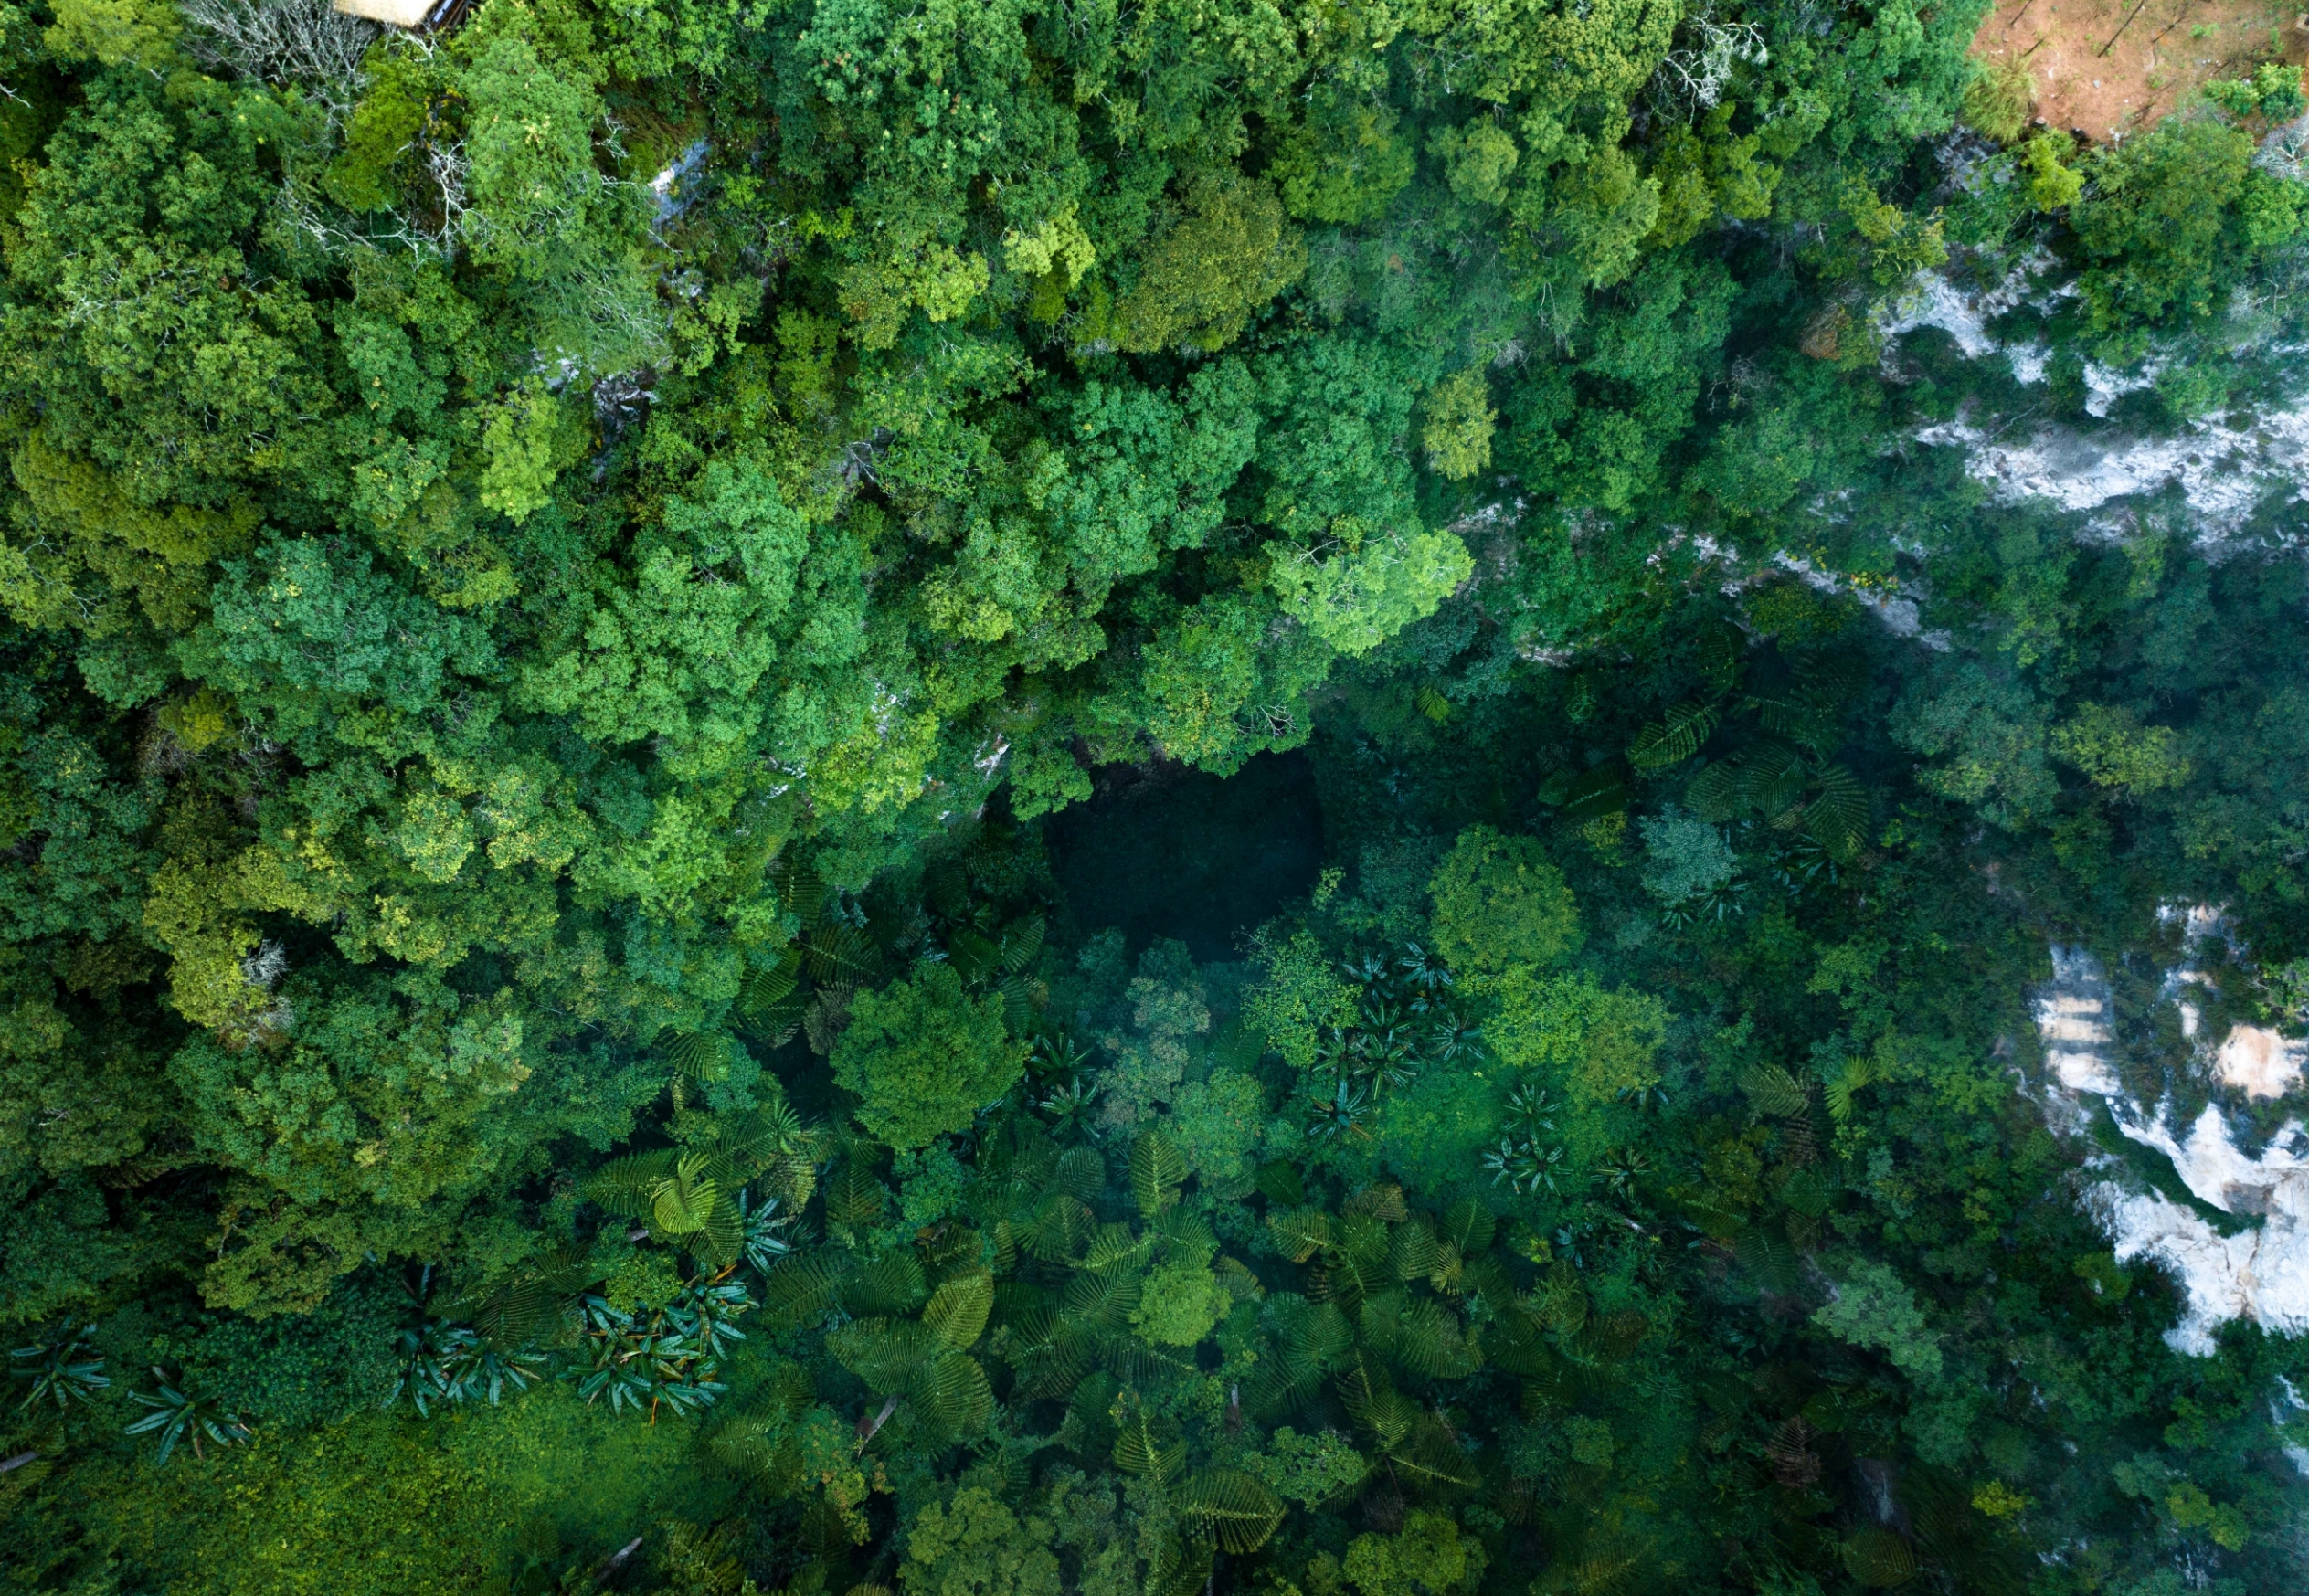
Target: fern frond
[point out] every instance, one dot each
(958, 1310)
(1879, 1559)
(892, 1284)
(720, 1235)
(1765, 1254)
(1468, 1226)
(891, 1356)
(1772, 1090)
(700, 1056)
(1674, 739)
(1411, 1251)
(1720, 790)
(1230, 1507)
(1081, 1173)
(959, 1395)
(1301, 1233)
(1593, 794)
(1423, 1337)
(1023, 945)
(842, 952)
(762, 988)
(1837, 818)
(1143, 1448)
(1100, 1302)
(1429, 1456)
(628, 1186)
(1114, 1247)
(1157, 1171)
(1774, 783)
(1060, 1229)
(799, 890)
(973, 957)
(805, 1284)
(854, 1198)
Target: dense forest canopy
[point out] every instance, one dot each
(1000, 797)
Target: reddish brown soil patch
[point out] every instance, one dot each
(2107, 67)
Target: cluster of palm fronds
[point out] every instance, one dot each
(669, 1356)
(1407, 1020)
(1527, 1156)
(61, 1369)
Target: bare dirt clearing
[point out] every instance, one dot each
(2107, 67)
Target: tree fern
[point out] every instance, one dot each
(1766, 1256)
(955, 1391)
(1299, 1233)
(806, 1285)
(1022, 945)
(1117, 1247)
(799, 890)
(1413, 1252)
(1157, 1171)
(854, 1198)
(1429, 1456)
(1143, 1447)
(1880, 1558)
(1593, 794)
(890, 1285)
(1233, 1508)
(1837, 818)
(1059, 1229)
(958, 1310)
(1423, 1338)
(1101, 1302)
(1674, 738)
(973, 956)
(1468, 1226)
(1772, 1090)
(699, 1055)
(1081, 1173)
(840, 952)
(627, 1187)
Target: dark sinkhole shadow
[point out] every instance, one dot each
(1168, 850)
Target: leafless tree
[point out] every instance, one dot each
(286, 43)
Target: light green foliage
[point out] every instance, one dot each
(1460, 422)
(2112, 749)
(924, 1056)
(1345, 160)
(1998, 99)
(1874, 1307)
(975, 1546)
(1685, 857)
(1228, 252)
(2053, 182)
(1298, 993)
(1501, 905)
(1168, 1012)
(1428, 1557)
(1308, 1469)
(1371, 586)
(2154, 220)
(1596, 1044)
(1216, 1123)
(1180, 1304)
(2273, 91)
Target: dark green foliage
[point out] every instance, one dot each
(561, 577)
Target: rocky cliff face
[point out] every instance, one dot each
(2254, 1262)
